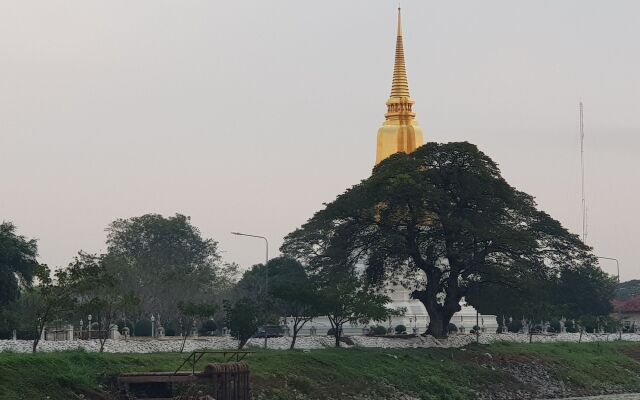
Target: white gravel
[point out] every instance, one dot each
(145, 345)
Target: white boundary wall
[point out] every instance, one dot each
(309, 342)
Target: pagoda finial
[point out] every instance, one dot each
(400, 85)
(400, 132)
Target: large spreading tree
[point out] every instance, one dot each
(440, 221)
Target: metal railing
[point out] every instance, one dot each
(227, 356)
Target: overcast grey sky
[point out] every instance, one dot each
(248, 115)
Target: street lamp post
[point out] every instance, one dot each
(266, 269)
(266, 260)
(617, 264)
(618, 272)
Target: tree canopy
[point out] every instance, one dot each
(572, 293)
(291, 293)
(18, 263)
(439, 221)
(165, 261)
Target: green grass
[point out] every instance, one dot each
(326, 374)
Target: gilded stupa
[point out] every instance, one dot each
(400, 131)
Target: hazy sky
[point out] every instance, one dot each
(248, 115)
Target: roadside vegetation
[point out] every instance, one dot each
(498, 371)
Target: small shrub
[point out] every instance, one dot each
(400, 329)
(171, 328)
(122, 324)
(208, 327)
(379, 330)
(301, 383)
(514, 326)
(571, 326)
(142, 328)
(452, 328)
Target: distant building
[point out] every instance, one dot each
(629, 310)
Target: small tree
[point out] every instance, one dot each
(242, 320)
(343, 298)
(192, 312)
(293, 293)
(43, 303)
(94, 289)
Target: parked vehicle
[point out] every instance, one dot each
(270, 331)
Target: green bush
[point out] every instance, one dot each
(514, 326)
(379, 330)
(122, 324)
(171, 328)
(208, 327)
(142, 328)
(452, 328)
(400, 329)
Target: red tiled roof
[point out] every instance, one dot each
(631, 305)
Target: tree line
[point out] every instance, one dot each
(441, 221)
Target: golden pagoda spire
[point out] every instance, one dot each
(400, 131)
(399, 85)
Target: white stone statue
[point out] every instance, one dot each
(113, 332)
(194, 329)
(69, 332)
(525, 326)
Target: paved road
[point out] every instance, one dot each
(629, 396)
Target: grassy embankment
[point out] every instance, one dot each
(342, 373)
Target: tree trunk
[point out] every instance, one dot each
(295, 334)
(337, 336)
(438, 318)
(437, 326)
(531, 334)
(184, 339)
(36, 340)
(107, 332)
